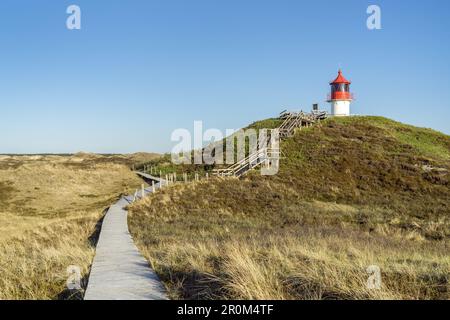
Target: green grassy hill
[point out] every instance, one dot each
(351, 192)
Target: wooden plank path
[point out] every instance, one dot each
(119, 271)
(150, 177)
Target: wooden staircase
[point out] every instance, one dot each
(240, 168)
(267, 153)
(294, 120)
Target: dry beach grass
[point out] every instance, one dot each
(350, 193)
(49, 209)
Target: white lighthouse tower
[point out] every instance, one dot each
(340, 97)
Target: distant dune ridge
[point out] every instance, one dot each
(351, 192)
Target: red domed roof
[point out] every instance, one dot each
(340, 79)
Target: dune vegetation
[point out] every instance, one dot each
(50, 213)
(351, 193)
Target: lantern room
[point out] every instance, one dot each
(340, 97)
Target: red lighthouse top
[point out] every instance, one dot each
(340, 79)
(340, 89)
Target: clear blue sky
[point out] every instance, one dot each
(138, 69)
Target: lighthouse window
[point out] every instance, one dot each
(340, 87)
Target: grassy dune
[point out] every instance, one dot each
(350, 193)
(49, 209)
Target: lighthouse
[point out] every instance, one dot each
(340, 97)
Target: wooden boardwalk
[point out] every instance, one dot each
(119, 271)
(146, 176)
